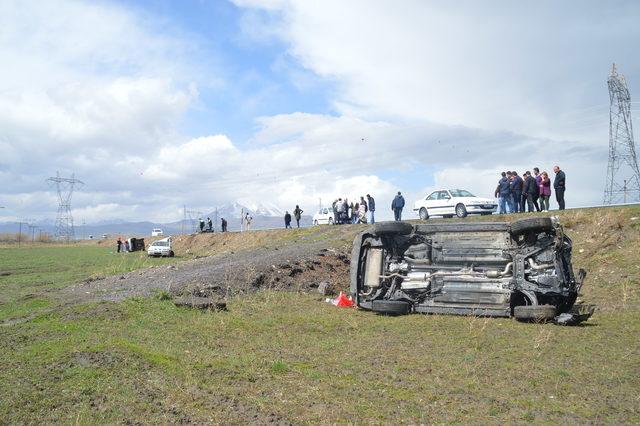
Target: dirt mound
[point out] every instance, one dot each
(304, 273)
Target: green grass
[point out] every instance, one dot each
(292, 357)
(298, 358)
(28, 275)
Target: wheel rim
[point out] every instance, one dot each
(330, 221)
(423, 214)
(460, 210)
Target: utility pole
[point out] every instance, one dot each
(184, 217)
(20, 231)
(623, 175)
(215, 222)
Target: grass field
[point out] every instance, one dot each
(287, 357)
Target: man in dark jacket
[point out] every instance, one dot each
(287, 220)
(397, 205)
(223, 223)
(372, 208)
(559, 184)
(297, 213)
(503, 193)
(516, 191)
(530, 191)
(538, 178)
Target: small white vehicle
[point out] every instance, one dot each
(161, 248)
(450, 202)
(323, 217)
(157, 232)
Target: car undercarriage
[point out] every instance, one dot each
(521, 269)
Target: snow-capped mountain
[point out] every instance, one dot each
(236, 209)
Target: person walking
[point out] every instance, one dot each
(503, 193)
(537, 178)
(559, 185)
(372, 209)
(335, 212)
(529, 191)
(397, 205)
(247, 220)
(545, 191)
(223, 223)
(297, 213)
(119, 244)
(201, 224)
(516, 191)
(287, 220)
(209, 224)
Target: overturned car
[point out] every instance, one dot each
(520, 269)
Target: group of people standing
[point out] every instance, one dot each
(207, 226)
(297, 213)
(514, 193)
(362, 211)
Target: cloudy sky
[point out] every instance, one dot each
(157, 104)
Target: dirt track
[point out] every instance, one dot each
(292, 267)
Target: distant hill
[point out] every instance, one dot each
(265, 216)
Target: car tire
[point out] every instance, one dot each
(315, 222)
(461, 211)
(171, 253)
(391, 307)
(424, 214)
(330, 221)
(538, 224)
(386, 228)
(537, 313)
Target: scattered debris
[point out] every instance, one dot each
(326, 289)
(200, 303)
(342, 301)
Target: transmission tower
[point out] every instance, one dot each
(64, 219)
(623, 176)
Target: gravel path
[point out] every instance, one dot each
(294, 267)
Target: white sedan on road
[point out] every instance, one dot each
(324, 216)
(449, 202)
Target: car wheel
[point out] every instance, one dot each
(171, 253)
(391, 307)
(461, 211)
(315, 222)
(537, 313)
(538, 224)
(330, 221)
(424, 214)
(385, 228)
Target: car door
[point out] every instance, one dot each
(430, 202)
(448, 202)
(437, 203)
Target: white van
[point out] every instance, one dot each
(157, 232)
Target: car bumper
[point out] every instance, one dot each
(482, 208)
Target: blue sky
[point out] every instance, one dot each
(159, 104)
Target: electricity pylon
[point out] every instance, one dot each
(64, 219)
(623, 176)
